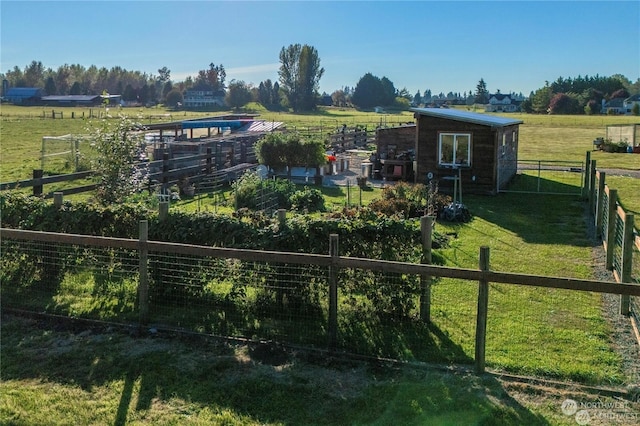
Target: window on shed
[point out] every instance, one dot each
(454, 149)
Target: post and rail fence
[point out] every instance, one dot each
(206, 289)
(165, 171)
(616, 229)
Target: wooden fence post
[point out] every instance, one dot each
(143, 284)
(426, 231)
(599, 202)
(333, 292)
(165, 170)
(282, 217)
(163, 210)
(592, 184)
(627, 259)
(57, 199)
(587, 168)
(612, 214)
(483, 307)
(37, 184)
(209, 154)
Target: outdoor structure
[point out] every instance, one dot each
(477, 151)
(37, 96)
(629, 133)
(80, 100)
(613, 107)
(395, 152)
(629, 103)
(24, 95)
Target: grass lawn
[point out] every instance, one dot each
(58, 375)
(536, 321)
(542, 137)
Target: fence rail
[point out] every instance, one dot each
(544, 176)
(313, 300)
(617, 231)
(165, 171)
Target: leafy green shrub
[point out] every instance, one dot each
(309, 200)
(362, 233)
(410, 200)
(250, 189)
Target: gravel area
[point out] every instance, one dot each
(623, 338)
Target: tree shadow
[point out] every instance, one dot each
(405, 339)
(536, 218)
(259, 384)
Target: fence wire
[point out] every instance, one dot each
(378, 314)
(618, 238)
(549, 332)
(255, 300)
(544, 177)
(78, 281)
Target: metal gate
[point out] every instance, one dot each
(543, 177)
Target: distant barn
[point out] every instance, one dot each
(24, 95)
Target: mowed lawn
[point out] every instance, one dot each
(542, 137)
(59, 375)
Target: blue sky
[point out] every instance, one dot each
(438, 45)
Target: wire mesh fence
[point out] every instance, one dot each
(67, 279)
(288, 297)
(232, 297)
(545, 177)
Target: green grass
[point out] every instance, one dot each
(65, 376)
(116, 379)
(336, 197)
(541, 235)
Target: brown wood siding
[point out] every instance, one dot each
(483, 154)
(404, 138)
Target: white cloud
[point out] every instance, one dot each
(253, 69)
(250, 73)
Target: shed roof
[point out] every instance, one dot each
(467, 116)
(24, 91)
(70, 98)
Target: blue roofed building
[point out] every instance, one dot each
(24, 95)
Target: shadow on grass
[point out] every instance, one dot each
(155, 377)
(564, 183)
(536, 218)
(406, 340)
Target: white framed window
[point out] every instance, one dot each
(454, 149)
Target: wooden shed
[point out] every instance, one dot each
(480, 149)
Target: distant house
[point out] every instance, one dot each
(499, 102)
(24, 95)
(203, 99)
(614, 106)
(481, 149)
(629, 103)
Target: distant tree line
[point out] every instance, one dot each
(580, 95)
(297, 87)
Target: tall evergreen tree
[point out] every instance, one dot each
(300, 74)
(482, 94)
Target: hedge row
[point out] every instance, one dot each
(362, 232)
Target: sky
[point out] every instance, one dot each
(444, 46)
